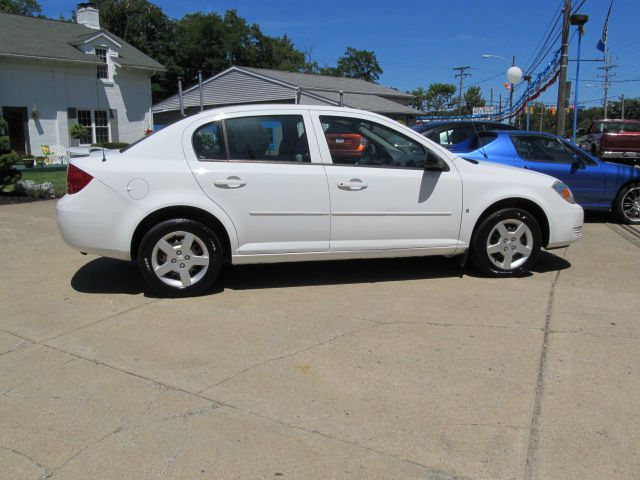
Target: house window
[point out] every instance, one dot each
(97, 124)
(103, 69)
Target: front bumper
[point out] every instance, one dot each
(608, 155)
(565, 227)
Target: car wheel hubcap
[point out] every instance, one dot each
(631, 204)
(180, 259)
(510, 244)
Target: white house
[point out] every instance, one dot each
(55, 73)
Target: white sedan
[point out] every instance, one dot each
(282, 183)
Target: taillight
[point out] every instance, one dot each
(76, 179)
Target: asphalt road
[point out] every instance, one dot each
(398, 369)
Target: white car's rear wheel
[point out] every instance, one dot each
(180, 258)
(506, 243)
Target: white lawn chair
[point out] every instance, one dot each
(55, 154)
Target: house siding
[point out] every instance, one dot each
(231, 88)
(51, 88)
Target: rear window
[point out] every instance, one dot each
(631, 127)
(485, 139)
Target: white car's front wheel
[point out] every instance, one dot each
(180, 258)
(506, 243)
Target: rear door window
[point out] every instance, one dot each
(272, 138)
(208, 143)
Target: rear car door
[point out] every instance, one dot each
(383, 198)
(263, 171)
(547, 154)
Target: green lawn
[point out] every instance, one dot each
(57, 177)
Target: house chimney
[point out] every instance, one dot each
(88, 15)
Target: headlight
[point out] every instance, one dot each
(563, 191)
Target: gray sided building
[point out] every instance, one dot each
(244, 85)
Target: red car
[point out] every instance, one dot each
(615, 140)
(344, 142)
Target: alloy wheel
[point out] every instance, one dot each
(180, 259)
(510, 244)
(631, 204)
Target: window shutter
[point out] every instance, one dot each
(71, 113)
(115, 134)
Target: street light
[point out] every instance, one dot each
(514, 75)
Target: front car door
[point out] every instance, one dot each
(382, 198)
(547, 154)
(264, 171)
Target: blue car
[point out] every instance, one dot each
(596, 185)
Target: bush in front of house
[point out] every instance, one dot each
(111, 145)
(8, 159)
(35, 190)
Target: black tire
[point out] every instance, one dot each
(171, 284)
(486, 231)
(632, 189)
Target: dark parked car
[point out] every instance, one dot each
(458, 134)
(596, 184)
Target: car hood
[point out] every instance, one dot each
(506, 172)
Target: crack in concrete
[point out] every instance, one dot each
(463, 325)
(18, 346)
(434, 473)
(122, 427)
(46, 473)
(534, 432)
(591, 334)
(95, 322)
(287, 355)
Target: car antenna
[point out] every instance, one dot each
(475, 129)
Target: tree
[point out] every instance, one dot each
(20, 7)
(439, 98)
(473, 98)
(361, 64)
(420, 98)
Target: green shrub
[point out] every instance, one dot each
(77, 131)
(111, 145)
(8, 173)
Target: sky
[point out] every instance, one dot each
(419, 43)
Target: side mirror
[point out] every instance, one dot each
(434, 163)
(578, 163)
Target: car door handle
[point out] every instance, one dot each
(353, 184)
(230, 182)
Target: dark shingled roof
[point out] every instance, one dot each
(55, 39)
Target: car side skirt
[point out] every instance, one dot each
(347, 255)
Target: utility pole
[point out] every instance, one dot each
(180, 97)
(462, 75)
(564, 59)
(513, 64)
(622, 106)
(200, 88)
(542, 107)
(607, 66)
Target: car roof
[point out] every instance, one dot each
(459, 123)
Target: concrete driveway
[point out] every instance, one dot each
(399, 369)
